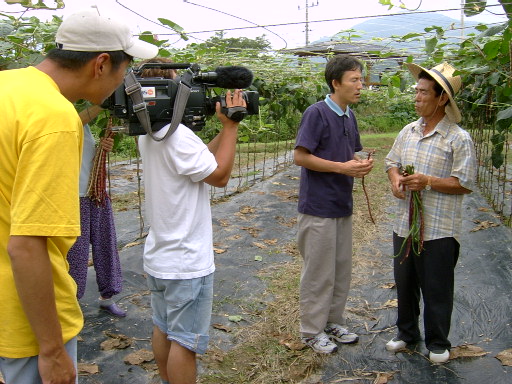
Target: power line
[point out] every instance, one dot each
(237, 17)
(330, 20)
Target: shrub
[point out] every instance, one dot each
(378, 113)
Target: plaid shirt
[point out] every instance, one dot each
(446, 151)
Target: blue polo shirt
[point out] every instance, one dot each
(329, 133)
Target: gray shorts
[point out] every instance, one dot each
(25, 370)
(182, 309)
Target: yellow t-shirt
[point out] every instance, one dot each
(40, 150)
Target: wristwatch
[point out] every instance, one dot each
(428, 187)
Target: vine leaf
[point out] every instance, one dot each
(235, 318)
(474, 7)
(491, 49)
(148, 37)
(505, 114)
(175, 27)
(430, 45)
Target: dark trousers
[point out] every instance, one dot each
(432, 275)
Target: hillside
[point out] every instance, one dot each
(381, 30)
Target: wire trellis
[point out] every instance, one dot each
(494, 183)
(256, 163)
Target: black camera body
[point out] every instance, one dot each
(159, 95)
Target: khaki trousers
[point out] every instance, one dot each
(325, 245)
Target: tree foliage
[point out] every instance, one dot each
(23, 41)
(238, 44)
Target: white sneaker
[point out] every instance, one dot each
(340, 334)
(395, 345)
(439, 358)
(320, 343)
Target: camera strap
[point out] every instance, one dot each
(134, 91)
(179, 108)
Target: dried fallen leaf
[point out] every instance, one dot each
(288, 195)
(133, 244)
(383, 378)
(505, 357)
(259, 245)
(388, 286)
(247, 209)
(292, 343)
(87, 368)
(221, 327)
(270, 241)
(466, 350)
(218, 250)
(212, 355)
(252, 231)
(288, 223)
(483, 225)
(278, 183)
(139, 357)
(393, 303)
(224, 223)
(117, 342)
(291, 248)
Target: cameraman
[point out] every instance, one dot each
(41, 144)
(178, 254)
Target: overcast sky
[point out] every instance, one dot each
(285, 19)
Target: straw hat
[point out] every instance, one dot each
(443, 75)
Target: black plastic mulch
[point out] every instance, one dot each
(245, 229)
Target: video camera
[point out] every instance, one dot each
(159, 95)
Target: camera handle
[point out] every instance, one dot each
(133, 90)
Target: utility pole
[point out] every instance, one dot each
(462, 19)
(307, 18)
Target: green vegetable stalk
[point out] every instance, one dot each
(414, 239)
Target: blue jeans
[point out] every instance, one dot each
(182, 309)
(25, 370)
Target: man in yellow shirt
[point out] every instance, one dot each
(40, 145)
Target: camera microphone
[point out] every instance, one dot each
(229, 77)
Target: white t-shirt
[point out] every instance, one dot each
(179, 244)
(89, 150)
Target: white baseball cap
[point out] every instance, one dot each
(88, 31)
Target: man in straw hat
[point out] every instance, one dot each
(41, 144)
(443, 157)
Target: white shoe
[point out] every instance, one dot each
(320, 343)
(395, 345)
(439, 357)
(340, 334)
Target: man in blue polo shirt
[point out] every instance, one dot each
(325, 148)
